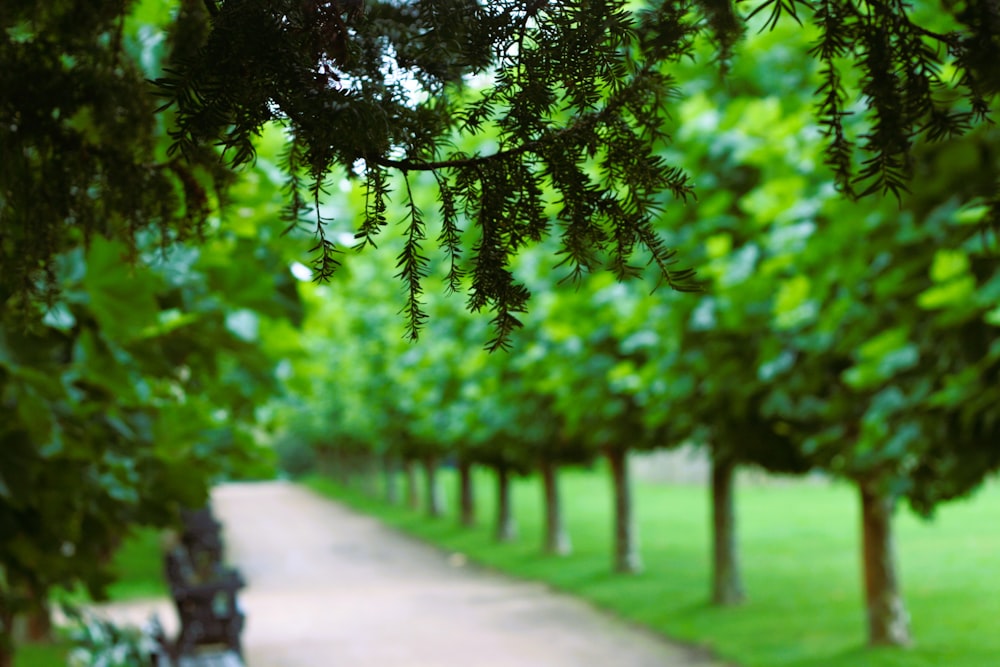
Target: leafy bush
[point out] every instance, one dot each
(99, 642)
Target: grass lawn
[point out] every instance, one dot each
(800, 556)
(41, 655)
(139, 567)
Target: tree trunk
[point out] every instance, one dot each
(626, 558)
(506, 527)
(6, 632)
(39, 624)
(344, 469)
(466, 496)
(324, 463)
(727, 584)
(370, 472)
(412, 485)
(557, 540)
(888, 622)
(435, 497)
(340, 467)
(389, 470)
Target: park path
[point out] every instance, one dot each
(328, 587)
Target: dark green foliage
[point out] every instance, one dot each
(296, 456)
(571, 99)
(575, 105)
(537, 119)
(110, 413)
(125, 390)
(78, 143)
(902, 82)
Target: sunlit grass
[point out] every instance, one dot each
(41, 655)
(799, 545)
(138, 567)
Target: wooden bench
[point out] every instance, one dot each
(204, 593)
(202, 534)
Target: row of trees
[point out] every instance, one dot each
(516, 124)
(853, 338)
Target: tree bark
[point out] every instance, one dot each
(557, 542)
(626, 556)
(412, 485)
(389, 470)
(39, 624)
(435, 495)
(727, 584)
(369, 472)
(324, 462)
(345, 469)
(6, 632)
(340, 467)
(888, 621)
(506, 529)
(466, 495)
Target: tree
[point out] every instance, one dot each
(593, 359)
(124, 392)
(816, 344)
(874, 387)
(83, 150)
(838, 331)
(534, 427)
(567, 97)
(122, 405)
(531, 121)
(705, 382)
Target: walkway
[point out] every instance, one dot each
(330, 588)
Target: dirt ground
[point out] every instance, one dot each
(328, 587)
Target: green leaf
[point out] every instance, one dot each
(884, 343)
(98, 364)
(623, 377)
(993, 317)
(718, 245)
(882, 357)
(949, 264)
(955, 292)
(122, 296)
(59, 317)
(792, 306)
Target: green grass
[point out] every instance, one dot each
(799, 547)
(138, 569)
(41, 655)
(138, 566)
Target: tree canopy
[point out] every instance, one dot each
(130, 368)
(855, 338)
(533, 118)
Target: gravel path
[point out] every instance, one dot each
(331, 588)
